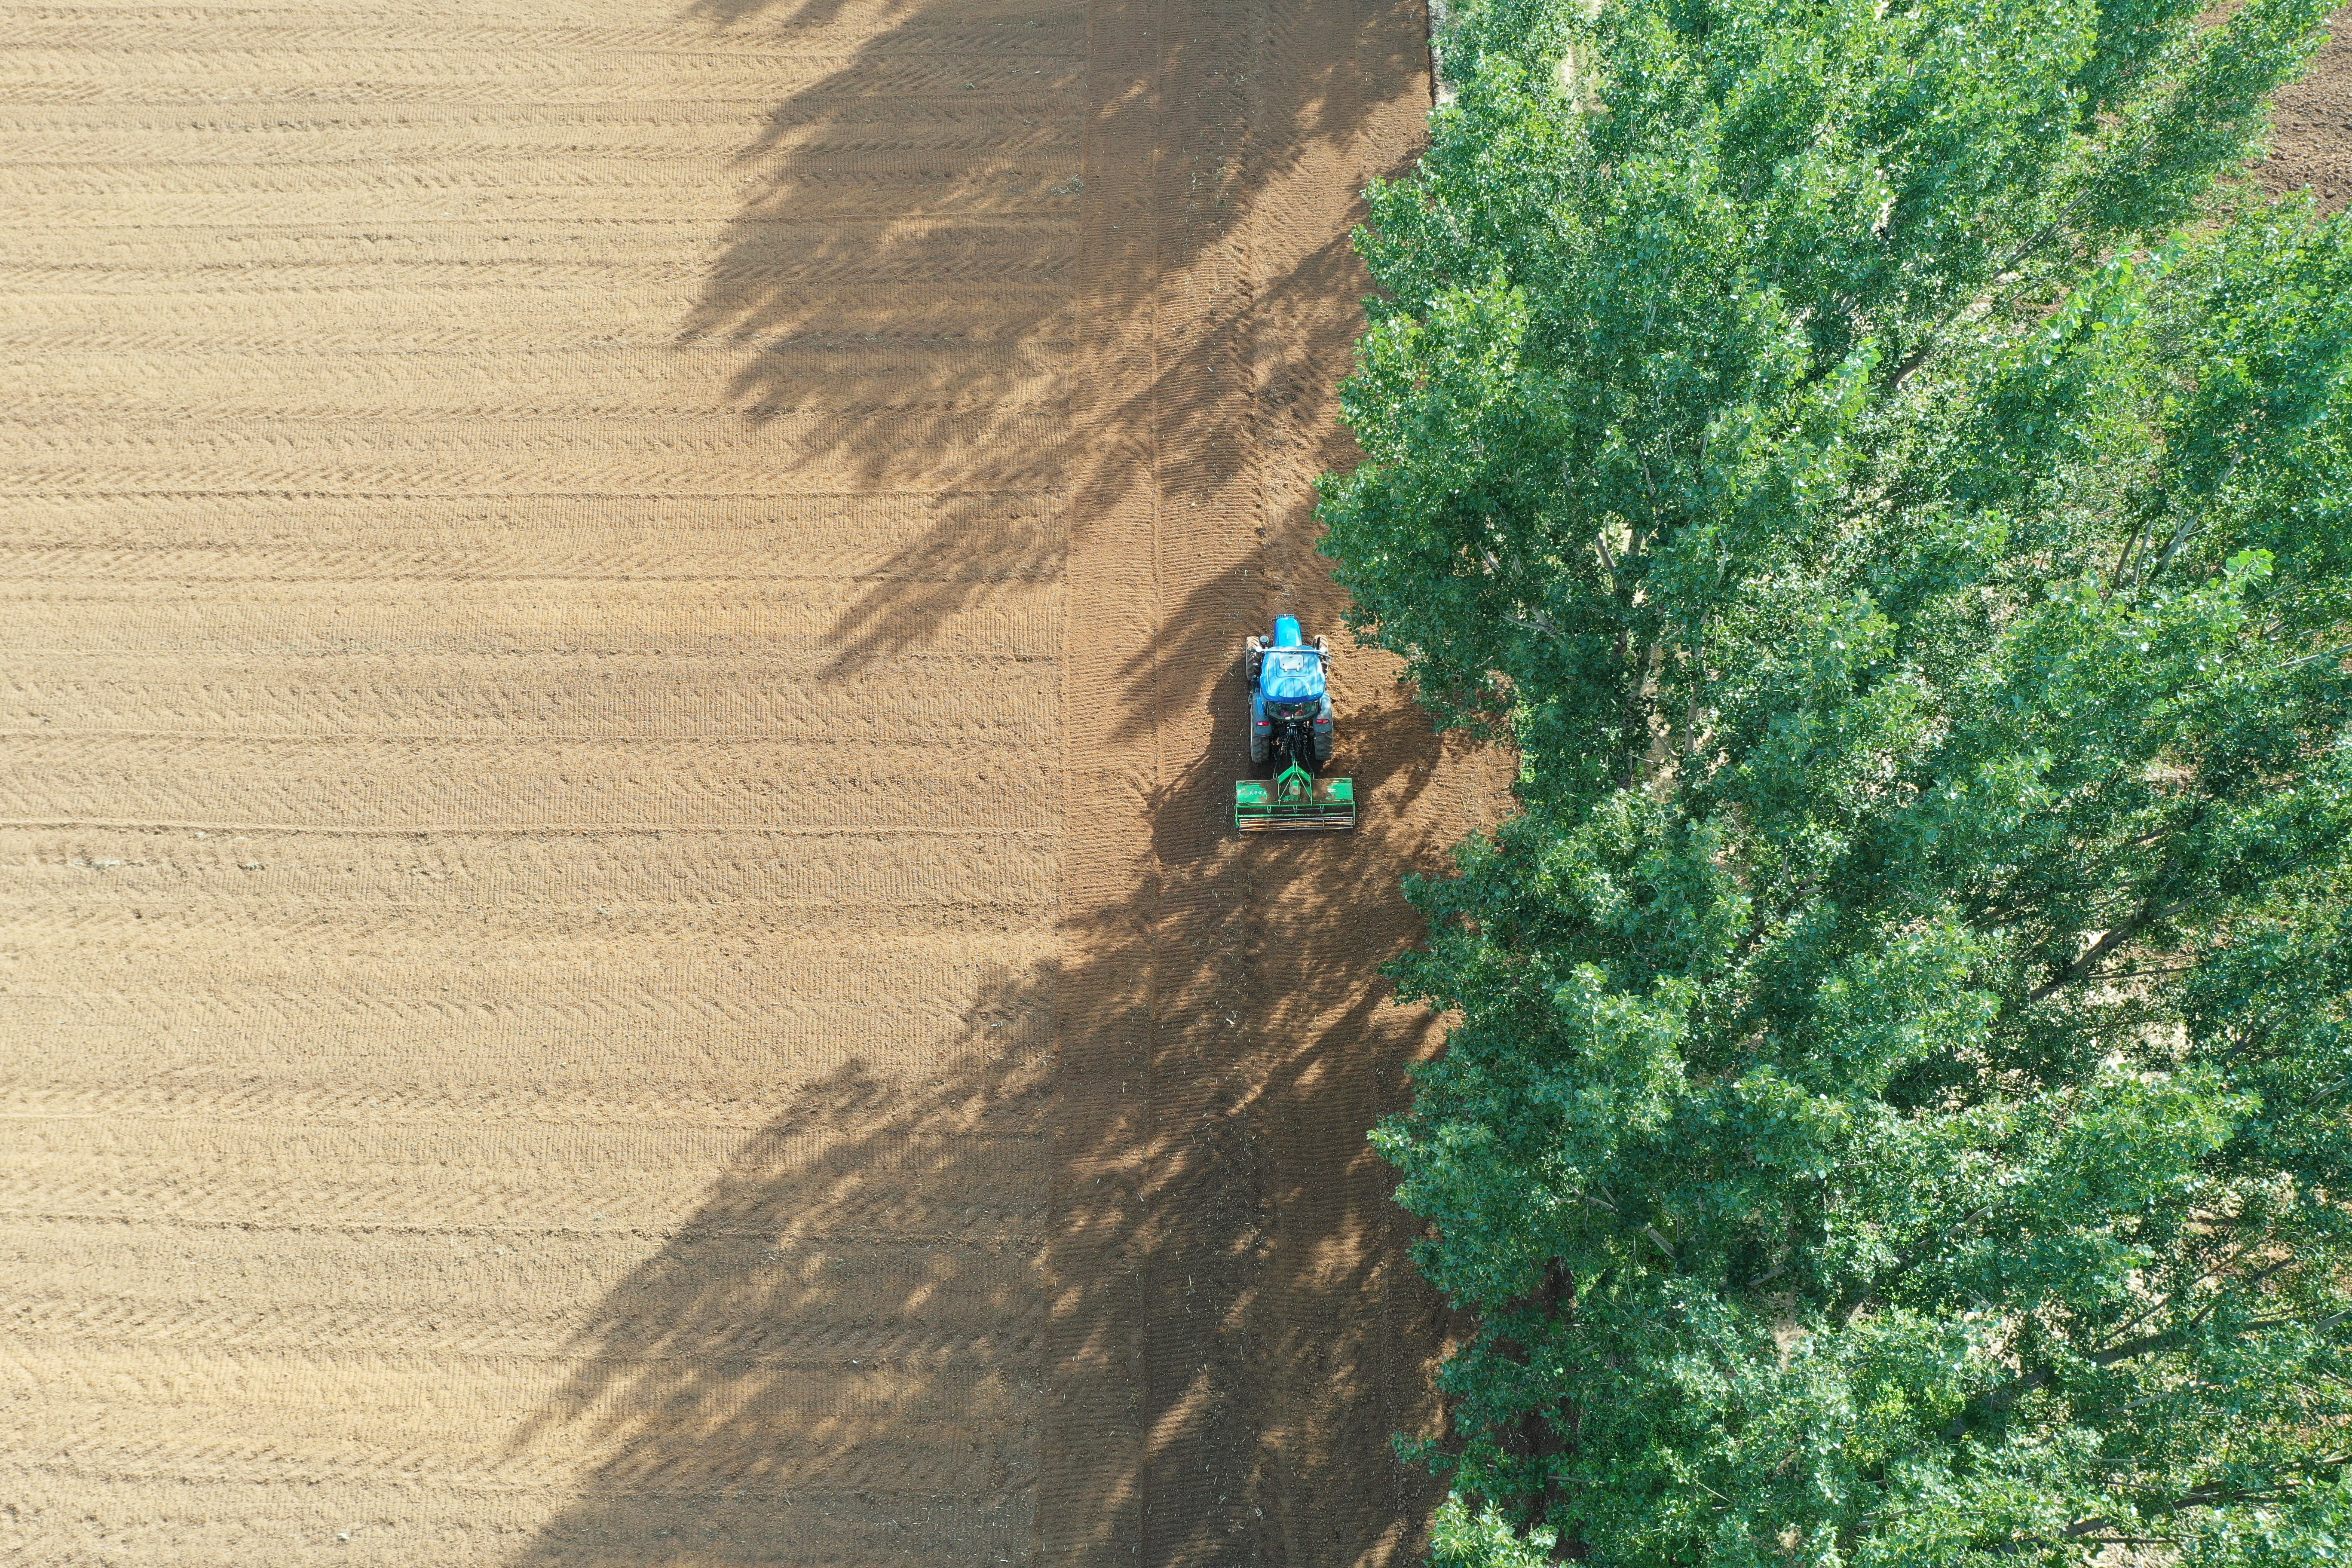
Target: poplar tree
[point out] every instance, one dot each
(1890, 482)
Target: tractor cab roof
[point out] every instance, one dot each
(1291, 675)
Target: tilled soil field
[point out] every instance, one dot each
(2310, 140)
(620, 943)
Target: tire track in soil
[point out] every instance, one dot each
(1253, 1332)
(1244, 1334)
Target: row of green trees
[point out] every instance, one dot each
(1893, 485)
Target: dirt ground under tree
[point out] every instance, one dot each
(618, 943)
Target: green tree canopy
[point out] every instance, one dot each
(1900, 1110)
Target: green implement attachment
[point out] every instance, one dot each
(1297, 801)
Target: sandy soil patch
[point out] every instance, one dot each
(618, 647)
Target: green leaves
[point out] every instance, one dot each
(1901, 1101)
(1459, 1538)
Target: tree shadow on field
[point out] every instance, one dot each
(897, 299)
(845, 1355)
(838, 1349)
(1284, 1335)
(849, 1353)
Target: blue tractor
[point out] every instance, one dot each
(1290, 738)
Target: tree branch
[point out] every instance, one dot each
(1911, 1260)
(2165, 1339)
(2211, 1496)
(2003, 1395)
(1633, 736)
(2148, 913)
(2153, 1308)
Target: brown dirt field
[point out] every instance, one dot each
(2311, 125)
(620, 944)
